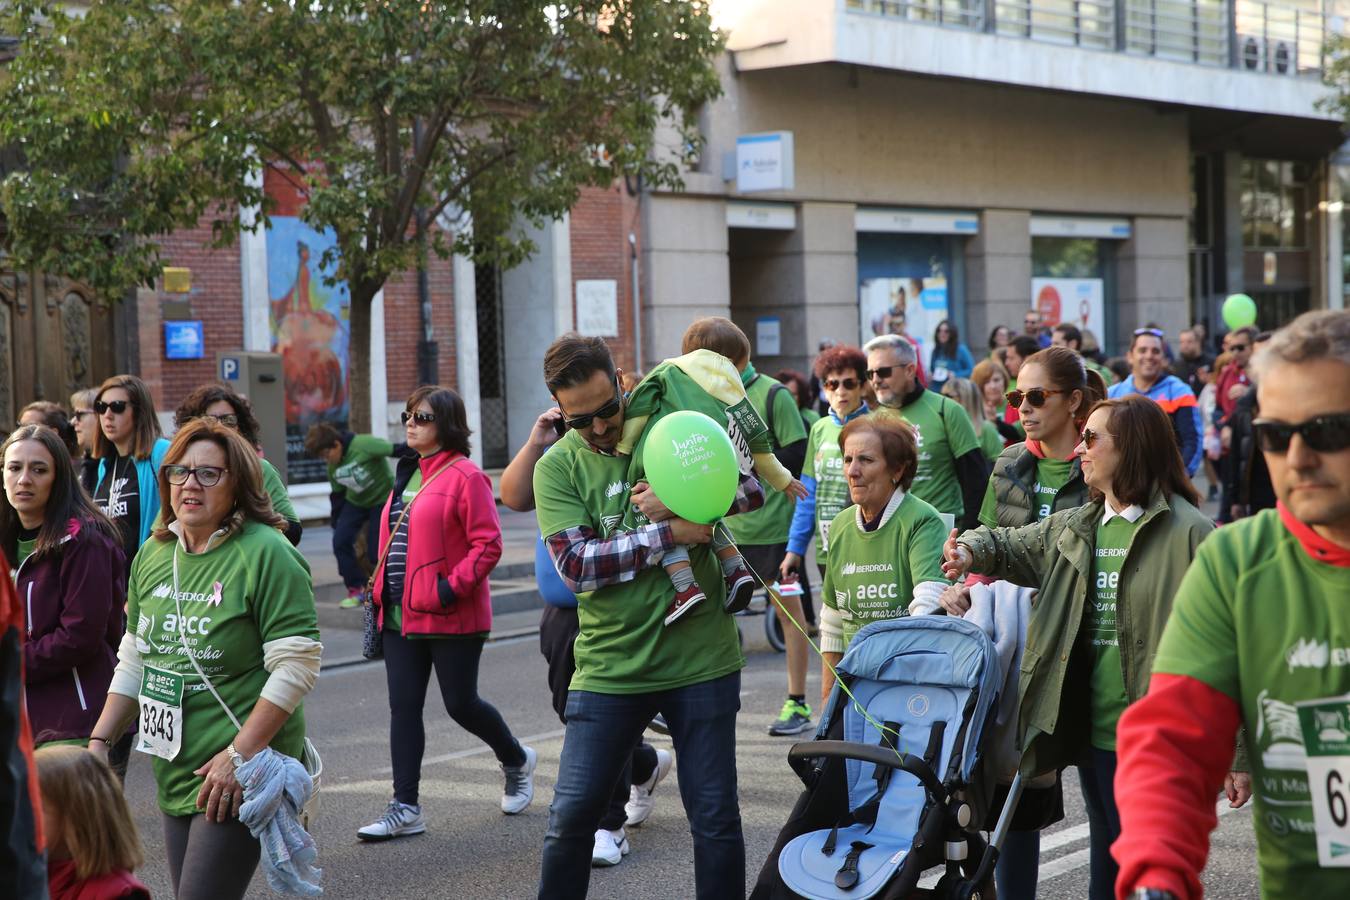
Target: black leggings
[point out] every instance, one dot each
(407, 665)
(209, 860)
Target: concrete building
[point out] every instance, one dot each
(1113, 162)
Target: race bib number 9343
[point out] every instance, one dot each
(161, 720)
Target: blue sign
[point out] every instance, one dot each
(229, 368)
(183, 339)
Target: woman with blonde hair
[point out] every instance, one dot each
(85, 420)
(92, 844)
(964, 392)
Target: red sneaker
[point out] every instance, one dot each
(684, 601)
(740, 589)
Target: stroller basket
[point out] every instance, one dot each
(884, 804)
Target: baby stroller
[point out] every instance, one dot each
(881, 807)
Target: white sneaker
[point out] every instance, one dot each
(640, 802)
(519, 790)
(610, 847)
(399, 820)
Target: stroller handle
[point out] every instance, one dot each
(881, 756)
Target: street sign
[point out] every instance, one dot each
(183, 339)
(229, 368)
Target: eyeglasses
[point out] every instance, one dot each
(420, 418)
(81, 413)
(834, 384)
(883, 372)
(1091, 437)
(117, 406)
(207, 476)
(1156, 332)
(1035, 396)
(1324, 434)
(229, 419)
(608, 411)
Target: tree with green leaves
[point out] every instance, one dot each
(134, 118)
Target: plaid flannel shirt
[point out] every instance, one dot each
(587, 563)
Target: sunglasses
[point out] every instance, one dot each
(117, 406)
(207, 476)
(1035, 396)
(1324, 434)
(608, 410)
(1090, 437)
(883, 372)
(1156, 332)
(420, 418)
(834, 384)
(81, 413)
(229, 419)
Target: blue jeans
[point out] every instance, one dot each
(602, 730)
(350, 520)
(1099, 796)
(1018, 867)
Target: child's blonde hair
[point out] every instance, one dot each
(95, 824)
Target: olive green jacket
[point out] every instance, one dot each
(1055, 555)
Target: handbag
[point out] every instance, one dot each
(372, 637)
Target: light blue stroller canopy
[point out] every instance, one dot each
(932, 679)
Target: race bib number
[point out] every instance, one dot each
(161, 725)
(1326, 739)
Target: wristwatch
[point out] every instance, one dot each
(1147, 893)
(235, 756)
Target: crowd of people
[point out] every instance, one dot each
(1166, 660)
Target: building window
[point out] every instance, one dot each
(1274, 204)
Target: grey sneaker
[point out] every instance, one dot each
(399, 820)
(793, 719)
(519, 790)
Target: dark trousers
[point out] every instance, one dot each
(350, 520)
(407, 666)
(209, 860)
(557, 635)
(601, 732)
(1099, 796)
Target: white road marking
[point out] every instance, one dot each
(478, 751)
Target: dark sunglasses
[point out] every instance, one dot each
(834, 384)
(229, 419)
(420, 418)
(117, 406)
(1035, 396)
(883, 372)
(81, 413)
(1090, 437)
(207, 476)
(1324, 434)
(608, 411)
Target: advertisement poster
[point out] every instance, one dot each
(309, 328)
(912, 305)
(1079, 301)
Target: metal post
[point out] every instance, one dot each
(427, 350)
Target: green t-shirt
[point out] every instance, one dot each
(943, 432)
(25, 550)
(623, 645)
(1108, 678)
(871, 574)
(1259, 620)
(1051, 475)
(241, 593)
(364, 473)
(809, 417)
(769, 524)
(281, 500)
(825, 463)
(991, 442)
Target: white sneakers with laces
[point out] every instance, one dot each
(399, 820)
(640, 801)
(610, 847)
(519, 790)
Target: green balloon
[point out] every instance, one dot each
(1239, 311)
(692, 466)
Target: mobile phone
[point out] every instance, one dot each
(560, 426)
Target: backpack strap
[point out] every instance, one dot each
(774, 391)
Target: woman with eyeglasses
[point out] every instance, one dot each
(71, 580)
(221, 649)
(85, 420)
(1106, 573)
(129, 447)
(440, 538)
(219, 402)
(842, 373)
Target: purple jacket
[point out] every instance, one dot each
(74, 602)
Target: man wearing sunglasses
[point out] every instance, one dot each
(1149, 376)
(1259, 637)
(953, 470)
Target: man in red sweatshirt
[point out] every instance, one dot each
(1259, 637)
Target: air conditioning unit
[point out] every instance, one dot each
(1282, 58)
(1257, 53)
(1251, 53)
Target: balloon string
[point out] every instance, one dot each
(838, 681)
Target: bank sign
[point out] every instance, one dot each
(764, 162)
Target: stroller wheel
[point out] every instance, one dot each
(773, 630)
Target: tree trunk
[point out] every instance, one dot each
(358, 354)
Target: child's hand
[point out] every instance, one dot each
(796, 490)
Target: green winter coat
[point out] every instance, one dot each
(1055, 555)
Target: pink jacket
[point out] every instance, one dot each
(454, 541)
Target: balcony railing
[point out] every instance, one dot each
(1250, 35)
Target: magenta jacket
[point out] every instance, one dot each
(74, 602)
(454, 541)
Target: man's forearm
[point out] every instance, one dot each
(588, 563)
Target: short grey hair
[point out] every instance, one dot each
(1321, 334)
(903, 348)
